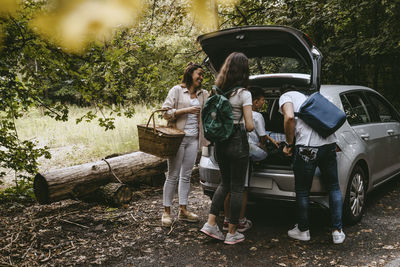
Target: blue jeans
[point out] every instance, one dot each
(306, 159)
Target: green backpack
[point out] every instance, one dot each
(217, 116)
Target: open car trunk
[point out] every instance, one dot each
(270, 49)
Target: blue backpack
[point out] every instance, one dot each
(217, 117)
(321, 115)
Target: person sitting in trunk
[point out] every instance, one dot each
(259, 137)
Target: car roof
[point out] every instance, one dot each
(272, 83)
(330, 88)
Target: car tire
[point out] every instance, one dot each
(356, 196)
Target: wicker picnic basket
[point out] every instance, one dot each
(159, 140)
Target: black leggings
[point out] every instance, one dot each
(232, 157)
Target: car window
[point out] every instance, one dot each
(263, 65)
(356, 108)
(385, 112)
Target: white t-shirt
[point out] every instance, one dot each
(192, 124)
(238, 100)
(304, 134)
(259, 128)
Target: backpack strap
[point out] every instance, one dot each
(227, 93)
(307, 94)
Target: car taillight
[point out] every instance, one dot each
(338, 149)
(308, 39)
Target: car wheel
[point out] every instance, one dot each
(354, 203)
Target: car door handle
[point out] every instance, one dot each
(365, 136)
(390, 132)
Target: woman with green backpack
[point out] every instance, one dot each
(232, 154)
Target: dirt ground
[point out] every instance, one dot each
(75, 233)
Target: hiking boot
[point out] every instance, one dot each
(188, 217)
(244, 225)
(166, 220)
(212, 231)
(300, 235)
(225, 225)
(338, 237)
(232, 239)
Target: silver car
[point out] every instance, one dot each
(368, 147)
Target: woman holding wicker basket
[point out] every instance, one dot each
(184, 103)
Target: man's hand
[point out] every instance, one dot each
(276, 143)
(288, 151)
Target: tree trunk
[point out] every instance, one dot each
(81, 180)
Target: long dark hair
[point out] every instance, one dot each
(234, 72)
(187, 79)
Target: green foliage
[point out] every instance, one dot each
(138, 66)
(359, 41)
(21, 193)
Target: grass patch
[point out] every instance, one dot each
(71, 143)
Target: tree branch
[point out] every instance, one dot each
(242, 15)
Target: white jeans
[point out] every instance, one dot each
(180, 168)
(257, 153)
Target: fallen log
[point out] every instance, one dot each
(115, 194)
(78, 181)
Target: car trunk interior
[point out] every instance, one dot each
(274, 125)
(272, 86)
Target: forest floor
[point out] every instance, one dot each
(75, 233)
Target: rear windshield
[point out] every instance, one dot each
(270, 65)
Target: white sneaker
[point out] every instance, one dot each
(338, 237)
(212, 231)
(300, 235)
(235, 238)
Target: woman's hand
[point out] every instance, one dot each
(193, 110)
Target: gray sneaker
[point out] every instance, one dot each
(232, 239)
(212, 231)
